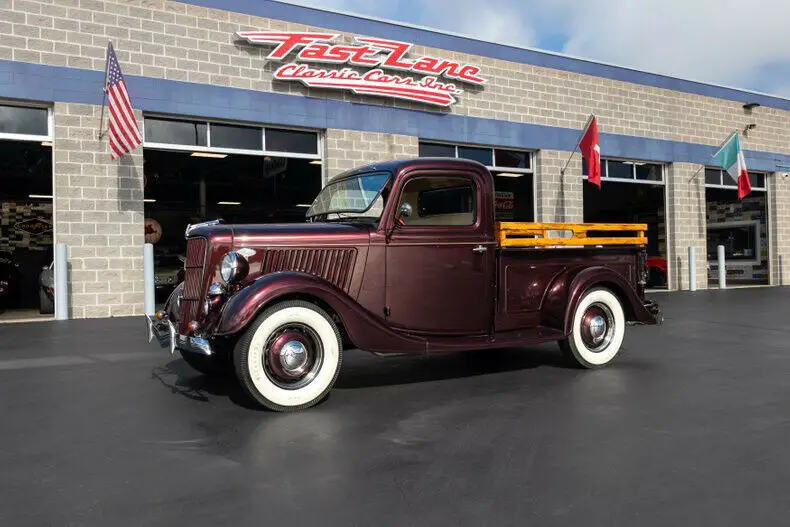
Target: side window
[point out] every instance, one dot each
(438, 201)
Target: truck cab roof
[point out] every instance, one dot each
(398, 165)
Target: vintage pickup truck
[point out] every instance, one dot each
(400, 257)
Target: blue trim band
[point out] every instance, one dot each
(360, 25)
(24, 81)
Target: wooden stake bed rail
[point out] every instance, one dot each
(517, 234)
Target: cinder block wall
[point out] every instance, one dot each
(779, 228)
(686, 221)
(99, 215)
(347, 149)
(559, 199)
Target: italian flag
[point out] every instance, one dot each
(730, 158)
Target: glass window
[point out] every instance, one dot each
(740, 241)
(23, 120)
(439, 201)
(712, 176)
(436, 150)
(481, 155)
(352, 195)
(291, 141)
(511, 159)
(240, 137)
(620, 170)
(648, 172)
(175, 132)
(757, 180)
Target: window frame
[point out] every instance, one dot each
(466, 176)
(634, 163)
(734, 186)
(494, 168)
(48, 138)
(757, 260)
(319, 155)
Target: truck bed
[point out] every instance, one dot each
(532, 257)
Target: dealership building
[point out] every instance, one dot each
(247, 109)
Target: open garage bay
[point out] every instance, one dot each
(689, 427)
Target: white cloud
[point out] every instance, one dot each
(739, 43)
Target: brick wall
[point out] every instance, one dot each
(164, 39)
(559, 199)
(347, 149)
(99, 215)
(685, 209)
(779, 227)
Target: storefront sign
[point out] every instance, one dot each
(504, 204)
(374, 55)
(34, 226)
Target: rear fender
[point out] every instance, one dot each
(363, 329)
(566, 291)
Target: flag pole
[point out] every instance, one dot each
(587, 125)
(104, 90)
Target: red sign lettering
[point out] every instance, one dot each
(376, 53)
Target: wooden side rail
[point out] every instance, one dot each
(517, 234)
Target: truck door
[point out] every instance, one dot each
(440, 260)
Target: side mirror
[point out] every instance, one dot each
(405, 210)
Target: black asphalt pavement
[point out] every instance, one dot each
(691, 426)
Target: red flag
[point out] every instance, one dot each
(591, 150)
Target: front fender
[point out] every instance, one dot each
(365, 331)
(567, 289)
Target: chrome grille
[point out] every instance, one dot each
(333, 265)
(193, 281)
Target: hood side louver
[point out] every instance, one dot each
(333, 265)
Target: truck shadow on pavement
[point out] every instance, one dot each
(361, 370)
(389, 371)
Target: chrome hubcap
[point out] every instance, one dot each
(597, 327)
(293, 356)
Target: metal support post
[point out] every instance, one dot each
(61, 282)
(722, 268)
(148, 274)
(692, 268)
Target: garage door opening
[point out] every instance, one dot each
(633, 192)
(198, 171)
(740, 226)
(26, 250)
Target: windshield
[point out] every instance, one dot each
(353, 195)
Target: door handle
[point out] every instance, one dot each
(480, 249)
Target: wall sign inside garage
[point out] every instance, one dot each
(374, 55)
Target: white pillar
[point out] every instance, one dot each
(148, 273)
(61, 282)
(722, 268)
(692, 268)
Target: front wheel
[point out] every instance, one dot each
(289, 358)
(597, 332)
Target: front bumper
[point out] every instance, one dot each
(652, 308)
(165, 332)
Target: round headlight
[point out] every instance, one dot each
(229, 267)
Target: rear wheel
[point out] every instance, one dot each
(597, 332)
(290, 357)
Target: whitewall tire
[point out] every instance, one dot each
(289, 358)
(598, 330)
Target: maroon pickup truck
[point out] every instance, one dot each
(401, 257)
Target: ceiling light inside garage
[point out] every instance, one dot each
(315, 162)
(209, 154)
(509, 174)
(228, 203)
(39, 196)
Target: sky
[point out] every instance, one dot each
(744, 44)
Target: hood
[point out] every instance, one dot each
(302, 234)
(281, 234)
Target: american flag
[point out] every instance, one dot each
(124, 132)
